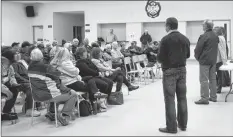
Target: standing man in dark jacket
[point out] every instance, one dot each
(145, 38)
(173, 51)
(206, 55)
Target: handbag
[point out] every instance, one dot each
(116, 98)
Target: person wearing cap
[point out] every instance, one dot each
(206, 52)
(16, 46)
(145, 38)
(111, 37)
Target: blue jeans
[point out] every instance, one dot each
(174, 81)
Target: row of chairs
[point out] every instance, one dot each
(134, 64)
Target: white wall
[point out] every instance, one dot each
(155, 29)
(118, 28)
(16, 26)
(132, 11)
(63, 25)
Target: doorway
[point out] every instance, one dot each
(77, 33)
(37, 34)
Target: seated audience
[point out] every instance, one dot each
(16, 46)
(115, 75)
(87, 68)
(45, 54)
(125, 51)
(8, 79)
(70, 74)
(88, 47)
(117, 56)
(72, 55)
(151, 54)
(24, 51)
(134, 49)
(107, 55)
(40, 74)
(54, 50)
(75, 45)
(21, 75)
(95, 44)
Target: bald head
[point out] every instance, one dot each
(146, 32)
(208, 25)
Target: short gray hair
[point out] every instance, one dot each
(36, 55)
(209, 24)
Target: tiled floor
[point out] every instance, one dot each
(142, 114)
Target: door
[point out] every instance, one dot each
(37, 34)
(226, 25)
(77, 33)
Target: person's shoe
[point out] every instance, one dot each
(100, 95)
(9, 116)
(62, 118)
(164, 130)
(131, 88)
(202, 102)
(35, 113)
(50, 116)
(181, 128)
(213, 100)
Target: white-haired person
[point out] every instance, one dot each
(75, 45)
(117, 56)
(70, 75)
(54, 49)
(107, 55)
(40, 74)
(72, 55)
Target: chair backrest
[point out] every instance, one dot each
(127, 61)
(36, 91)
(135, 59)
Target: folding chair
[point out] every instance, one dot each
(132, 71)
(143, 59)
(46, 101)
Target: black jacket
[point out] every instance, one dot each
(207, 48)
(174, 50)
(145, 38)
(87, 68)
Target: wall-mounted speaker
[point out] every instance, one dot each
(30, 11)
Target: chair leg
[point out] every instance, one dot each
(55, 107)
(32, 115)
(78, 107)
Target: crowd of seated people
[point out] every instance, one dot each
(69, 68)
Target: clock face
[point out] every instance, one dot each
(153, 8)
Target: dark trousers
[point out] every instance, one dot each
(104, 84)
(219, 77)
(25, 87)
(174, 81)
(120, 78)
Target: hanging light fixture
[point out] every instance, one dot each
(153, 8)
